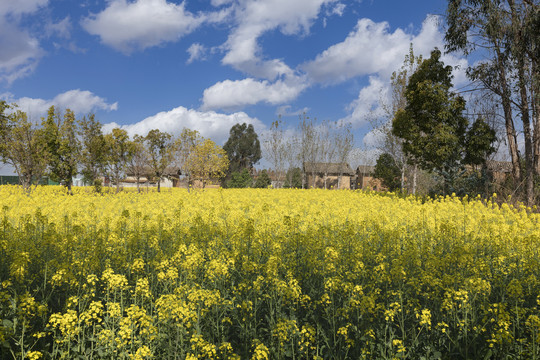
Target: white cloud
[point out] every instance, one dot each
(230, 94)
(221, 2)
(20, 52)
(209, 123)
(80, 101)
(196, 52)
(128, 26)
(285, 111)
(338, 9)
(254, 18)
(368, 104)
(61, 29)
(18, 7)
(372, 49)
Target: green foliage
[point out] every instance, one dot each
(388, 172)
(118, 154)
(293, 179)
(433, 127)
(23, 147)
(240, 179)
(93, 153)
(4, 126)
(432, 124)
(62, 146)
(263, 181)
(243, 147)
(479, 142)
(160, 152)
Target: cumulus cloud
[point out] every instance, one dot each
(19, 7)
(368, 103)
(20, 52)
(271, 81)
(209, 123)
(61, 29)
(196, 52)
(371, 48)
(286, 111)
(221, 2)
(230, 94)
(254, 18)
(80, 101)
(338, 9)
(128, 26)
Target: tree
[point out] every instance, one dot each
(243, 147)
(326, 149)
(263, 181)
(207, 161)
(4, 126)
(276, 147)
(294, 179)
(137, 164)
(507, 32)
(390, 143)
(240, 179)
(93, 153)
(479, 143)
(160, 153)
(432, 125)
(344, 140)
(388, 172)
(308, 144)
(183, 147)
(62, 146)
(24, 148)
(118, 154)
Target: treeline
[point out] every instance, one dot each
(62, 147)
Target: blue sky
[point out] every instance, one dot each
(207, 64)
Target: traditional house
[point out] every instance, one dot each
(277, 178)
(365, 180)
(328, 175)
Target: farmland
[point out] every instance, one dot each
(265, 274)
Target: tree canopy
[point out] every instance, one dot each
(433, 125)
(243, 147)
(388, 172)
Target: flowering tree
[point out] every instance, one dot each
(206, 161)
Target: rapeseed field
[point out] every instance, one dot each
(265, 274)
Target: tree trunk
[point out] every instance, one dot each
(415, 174)
(535, 95)
(138, 181)
(529, 154)
(519, 54)
(536, 130)
(117, 184)
(159, 184)
(402, 178)
(509, 122)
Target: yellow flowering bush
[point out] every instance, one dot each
(265, 274)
